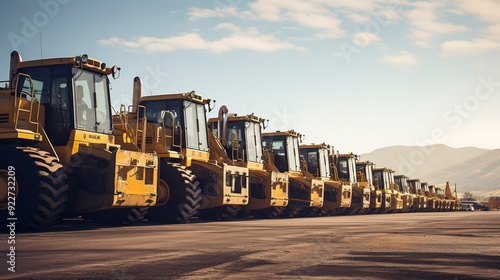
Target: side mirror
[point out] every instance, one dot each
(115, 72)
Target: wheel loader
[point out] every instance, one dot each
(453, 202)
(420, 200)
(338, 194)
(202, 180)
(428, 196)
(306, 194)
(402, 182)
(56, 134)
(364, 175)
(384, 178)
(441, 198)
(346, 166)
(435, 204)
(241, 136)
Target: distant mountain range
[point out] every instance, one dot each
(471, 169)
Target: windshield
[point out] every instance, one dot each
(254, 142)
(92, 109)
(196, 126)
(276, 145)
(193, 121)
(284, 159)
(317, 161)
(324, 163)
(386, 180)
(369, 174)
(366, 170)
(352, 167)
(292, 149)
(344, 169)
(382, 177)
(414, 186)
(402, 184)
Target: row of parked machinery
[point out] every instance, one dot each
(64, 152)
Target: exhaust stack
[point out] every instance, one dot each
(15, 59)
(222, 122)
(137, 94)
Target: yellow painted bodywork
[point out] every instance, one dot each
(126, 179)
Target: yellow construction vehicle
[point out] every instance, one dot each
(201, 178)
(402, 182)
(346, 166)
(426, 192)
(420, 200)
(435, 205)
(384, 178)
(338, 194)
(305, 192)
(453, 202)
(56, 137)
(241, 136)
(440, 196)
(364, 175)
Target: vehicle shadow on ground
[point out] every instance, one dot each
(398, 265)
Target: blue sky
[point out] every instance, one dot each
(358, 75)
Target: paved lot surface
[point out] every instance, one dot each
(458, 245)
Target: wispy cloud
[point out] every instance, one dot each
(239, 39)
(228, 11)
(457, 47)
(402, 59)
(487, 39)
(427, 23)
(310, 14)
(365, 38)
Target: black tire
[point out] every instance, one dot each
(308, 212)
(322, 213)
(185, 196)
(117, 217)
(352, 211)
(268, 213)
(290, 212)
(220, 213)
(42, 192)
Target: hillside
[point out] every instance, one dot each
(417, 161)
(481, 173)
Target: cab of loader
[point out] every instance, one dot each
(382, 180)
(74, 93)
(285, 147)
(181, 123)
(317, 159)
(242, 136)
(346, 166)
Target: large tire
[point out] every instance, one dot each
(308, 212)
(117, 217)
(290, 212)
(352, 211)
(268, 213)
(42, 192)
(219, 213)
(185, 196)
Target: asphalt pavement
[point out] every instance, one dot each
(443, 245)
